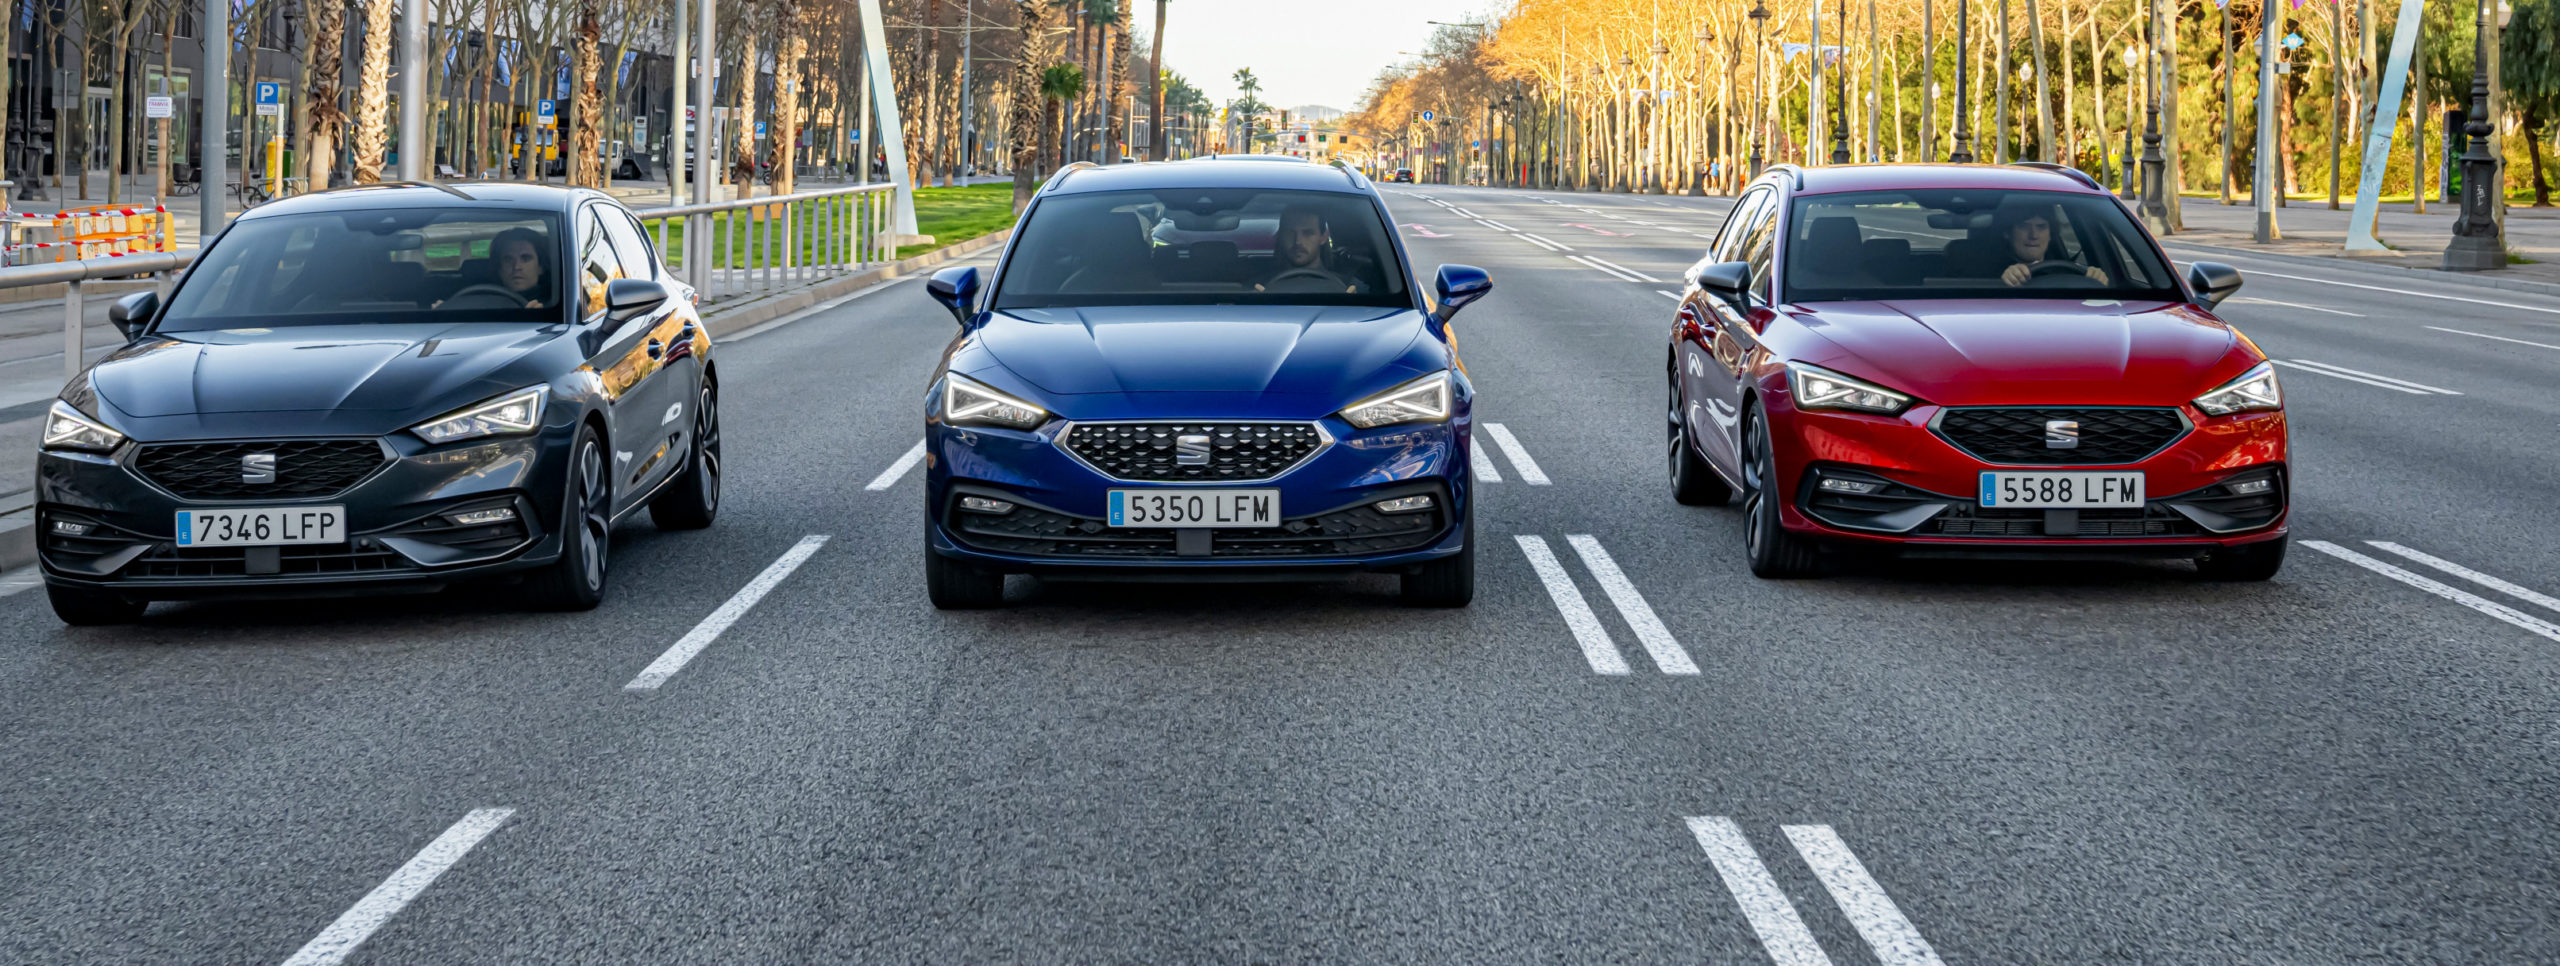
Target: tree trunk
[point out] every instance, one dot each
(1116, 140)
(373, 91)
(1158, 134)
(746, 157)
(321, 119)
(787, 93)
(119, 49)
(586, 169)
(2533, 149)
(1027, 126)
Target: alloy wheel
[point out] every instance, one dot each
(706, 434)
(595, 518)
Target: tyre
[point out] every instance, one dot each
(954, 585)
(693, 499)
(1447, 582)
(576, 581)
(1774, 553)
(80, 607)
(1693, 482)
(2253, 561)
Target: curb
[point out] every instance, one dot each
(2478, 279)
(747, 315)
(18, 533)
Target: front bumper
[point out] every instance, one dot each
(1329, 519)
(2222, 483)
(399, 535)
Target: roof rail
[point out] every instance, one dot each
(2082, 176)
(1790, 169)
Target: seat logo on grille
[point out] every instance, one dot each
(1191, 450)
(2062, 434)
(258, 468)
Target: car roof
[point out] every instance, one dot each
(419, 194)
(1292, 159)
(1208, 173)
(1887, 177)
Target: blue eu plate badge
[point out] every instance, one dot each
(1119, 508)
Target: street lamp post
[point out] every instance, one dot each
(1840, 112)
(2155, 205)
(1759, 83)
(2477, 244)
(1963, 153)
(1706, 36)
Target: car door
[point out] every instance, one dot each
(1725, 373)
(674, 327)
(627, 362)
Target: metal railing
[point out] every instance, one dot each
(156, 266)
(753, 247)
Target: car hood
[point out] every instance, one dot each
(2093, 352)
(1277, 350)
(311, 367)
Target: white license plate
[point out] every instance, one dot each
(265, 526)
(1195, 508)
(2062, 491)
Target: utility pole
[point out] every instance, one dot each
(968, 140)
(2044, 92)
(1963, 154)
(2228, 75)
(676, 119)
(2000, 106)
(1759, 85)
(2155, 207)
(1929, 79)
(2261, 178)
(212, 163)
(414, 149)
(1840, 125)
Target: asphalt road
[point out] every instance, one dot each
(1960, 763)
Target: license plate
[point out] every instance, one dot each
(1195, 508)
(262, 526)
(2062, 491)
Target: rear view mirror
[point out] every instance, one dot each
(2212, 281)
(1458, 285)
(132, 312)
(956, 289)
(1730, 281)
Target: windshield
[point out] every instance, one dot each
(1203, 246)
(1968, 243)
(373, 266)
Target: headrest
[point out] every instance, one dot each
(1832, 238)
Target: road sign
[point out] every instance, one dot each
(158, 105)
(546, 113)
(688, 112)
(270, 99)
(759, 130)
(639, 127)
(1428, 115)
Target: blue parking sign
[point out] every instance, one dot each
(270, 99)
(546, 113)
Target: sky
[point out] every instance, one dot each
(1305, 51)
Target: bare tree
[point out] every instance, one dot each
(788, 89)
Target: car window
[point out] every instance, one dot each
(597, 264)
(1759, 239)
(373, 265)
(1203, 246)
(630, 243)
(1969, 243)
(1729, 240)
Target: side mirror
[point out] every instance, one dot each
(2212, 281)
(1730, 281)
(1458, 285)
(630, 298)
(132, 312)
(956, 289)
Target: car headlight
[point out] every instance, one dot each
(1819, 388)
(2254, 391)
(968, 402)
(1422, 400)
(516, 412)
(68, 428)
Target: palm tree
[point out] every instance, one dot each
(1060, 85)
(373, 101)
(1116, 104)
(1027, 101)
(586, 112)
(321, 119)
(1155, 90)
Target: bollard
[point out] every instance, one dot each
(71, 348)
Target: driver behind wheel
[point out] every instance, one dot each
(518, 254)
(1301, 247)
(2029, 234)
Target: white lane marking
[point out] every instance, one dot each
(702, 634)
(1596, 649)
(22, 579)
(2369, 382)
(2516, 591)
(1596, 265)
(2335, 368)
(1667, 653)
(2295, 305)
(1620, 270)
(1540, 242)
(2403, 291)
(2455, 594)
(1895, 941)
(1518, 454)
(377, 907)
(1552, 244)
(889, 477)
(1463, 213)
(1483, 222)
(1497, 224)
(1781, 931)
(1674, 296)
(2480, 335)
(1483, 465)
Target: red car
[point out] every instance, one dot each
(1964, 360)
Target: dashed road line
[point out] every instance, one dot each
(358, 923)
(1551, 244)
(1521, 461)
(2501, 338)
(2517, 591)
(1895, 941)
(2449, 592)
(685, 648)
(1890, 935)
(1483, 465)
(2370, 379)
(2402, 291)
(2294, 305)
(889, 477)
(1495, 224)
(1620, 272)
(1667, 293)
(1668, 655)
(1602, 655)
(1782, 932)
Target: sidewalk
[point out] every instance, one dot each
(2309, 228)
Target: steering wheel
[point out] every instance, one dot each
(488, 295)
(1317, 275)
(2059, 273)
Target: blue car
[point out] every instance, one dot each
(1219, 370)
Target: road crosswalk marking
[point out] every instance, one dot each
(1521, 462)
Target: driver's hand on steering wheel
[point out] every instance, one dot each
(2016, 275)
(2097, 274)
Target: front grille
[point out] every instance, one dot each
(303, 467)
(1974, 521)
(2108, 437)
(1238, 451)
(1350, 532)
(178, 563)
